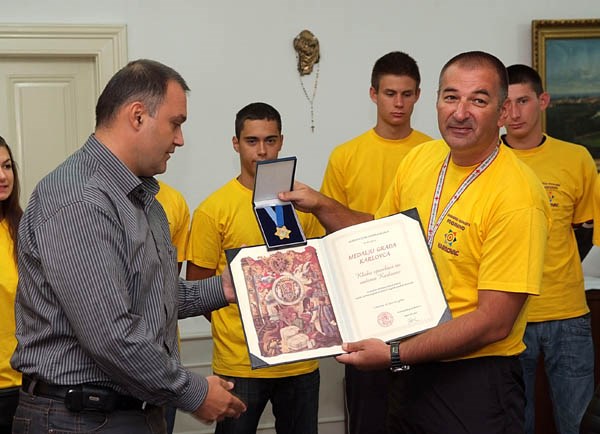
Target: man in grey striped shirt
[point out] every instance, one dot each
(99, 294)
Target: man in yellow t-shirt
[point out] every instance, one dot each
(358, 174)
(486, 217)
(226, 220)
(178, 216)
(558, 321)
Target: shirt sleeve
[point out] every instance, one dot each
(512, 263)
(205, 243)
(584, 206)
(596, 202)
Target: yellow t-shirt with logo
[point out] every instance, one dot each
(226, 220)
(178, 216)
(491, 239)
(568, 173)
(8, 289)
(360, 171)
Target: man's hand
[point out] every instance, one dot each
(331, 214)
(303, 197)
(219, 402)
(368, 354)
(228, 286)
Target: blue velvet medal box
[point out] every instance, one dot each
(277, 219)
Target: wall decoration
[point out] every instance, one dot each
(308, 54)
(566, 53)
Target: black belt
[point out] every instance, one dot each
(84, 396)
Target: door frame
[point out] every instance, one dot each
(105, 45)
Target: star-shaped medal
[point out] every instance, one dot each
(283, 232)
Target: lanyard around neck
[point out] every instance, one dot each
(433, 224)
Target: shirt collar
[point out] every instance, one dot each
(121, 177)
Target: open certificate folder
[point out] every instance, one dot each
(376, 279)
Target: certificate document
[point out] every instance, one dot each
(375, 279)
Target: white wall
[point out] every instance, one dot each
(233, 53)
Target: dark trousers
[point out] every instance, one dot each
(9, 398)
(37, 414)
(473, 396)
(294, 399)
(366, 400)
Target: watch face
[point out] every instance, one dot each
(397, 364)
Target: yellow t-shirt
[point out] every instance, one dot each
(8, 289)
(178, 215)
(360, 171)
(596, 201)
(226, 220)
(568, 174)
(491, 239)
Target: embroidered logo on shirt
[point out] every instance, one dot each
(450, 237)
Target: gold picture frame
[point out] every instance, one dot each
(566, 54)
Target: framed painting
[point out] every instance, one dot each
(566, 53)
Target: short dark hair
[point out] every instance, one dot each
(256, 111)
(474, 59)
(140, 80)
(395, 63)
(10, 208)
(523, 74)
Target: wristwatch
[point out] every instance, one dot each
(397, 364)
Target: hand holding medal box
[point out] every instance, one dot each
(277, 220)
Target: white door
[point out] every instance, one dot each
(49, 111)
(50, 78)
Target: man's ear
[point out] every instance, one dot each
(544, 100)
(418, 94)
(373, 94)
(136, 114)
(503, 113)
(236, 144)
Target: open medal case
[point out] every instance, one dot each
(277, 220)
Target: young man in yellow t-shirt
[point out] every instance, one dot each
(558, 321)
(358, 174)
(226, 220)
(487, 237)
(178, 216)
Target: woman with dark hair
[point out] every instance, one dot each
(10, 214)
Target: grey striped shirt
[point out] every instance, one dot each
(99, 296)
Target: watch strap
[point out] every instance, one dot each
(397, 364)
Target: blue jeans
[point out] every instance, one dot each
(37, 414)
(295, 402)
(568, 352)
